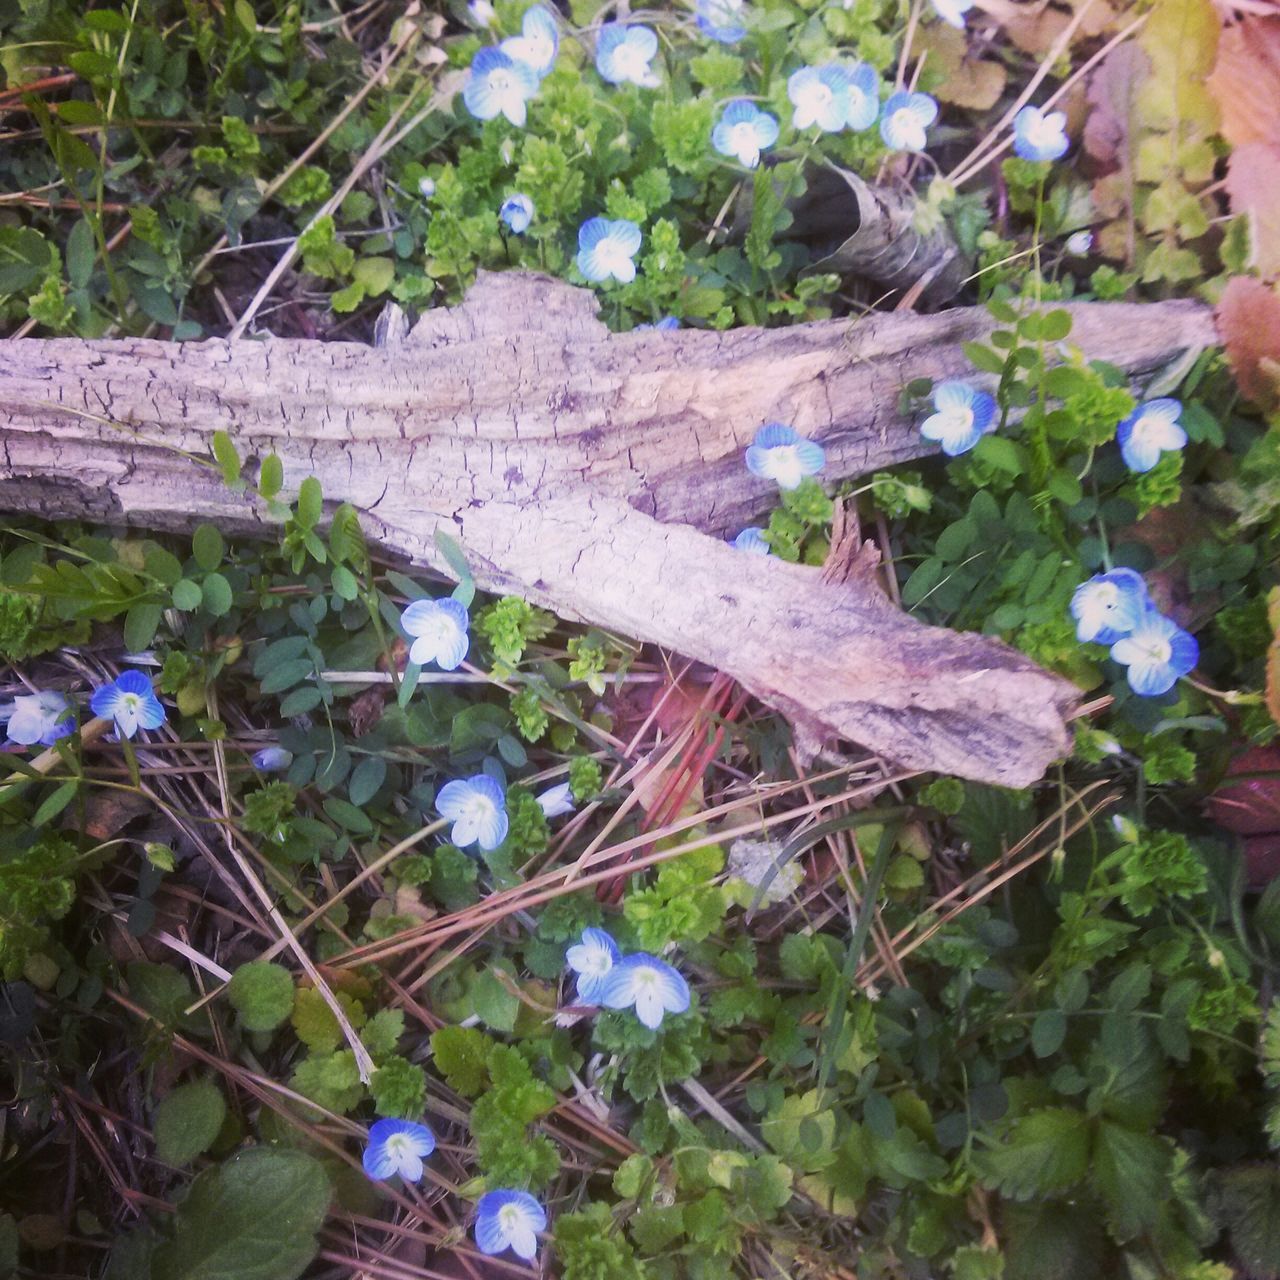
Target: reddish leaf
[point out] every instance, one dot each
(1112, 94)
(1248, 804)
(1245, 81)
(1249, 322)
(1253, 183)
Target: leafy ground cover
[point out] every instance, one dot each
(353, 923)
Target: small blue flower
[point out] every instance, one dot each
(1157, 653)
(497, 84)
(743, 132)
(721, 19)
(508, 1219)
(751, 539)
(963, 417)
(952, 11)
(130, 701)
(650, 984)
(38, 717)
(1040, 135)
(272, 759)
(439, 629)
(1150, 430)
(607, 248)
(623, 54)
(397, 1146)
(905, 119)
(592, 959)
(665, 325)
(481, 13)
(1109, 606)
(477, 808)
(820, 96)
(780, 453)
(517, 212)
(426, 187)
(556, 801)
(538, 42)
(862, 102)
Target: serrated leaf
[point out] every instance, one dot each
(1045, 1152)
(253, 1218)
(1130, 1172)
(187, 1121)
(262, 994)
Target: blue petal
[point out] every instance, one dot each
(151, 714)
(626, 235)
(133, 682)
(766, 128)
(1185, 652)
(489, 1234)
(104, 701)
(1150, 679)
(984, 411)
(674, 989)
(773, 434)
(492, 831)
(739, 111)
(378, 1162)
(592, 232)
(452, 799)
(618, 990)
(812, 456)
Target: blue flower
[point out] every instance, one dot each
(862, 103)
(721, 19)
(130, 701)
(498, 84)
(426, 187)
(272, 759)
(1109, 606)
(517, 212)
(537, 44)
(743, 132)
(623, 54)
(1157, 653)
(606, 248)
(906, 117)
(556, 801)
(592, 959)
(1039, 135)
(820, 95)
(963, 417)
(477, 808)
(782, 454)
(952, 11)
(1150, 430)
(439, 629)
(665, 325)
(752, 539)
(38, 717)
(397, 1146)
(650, 984)
(481, 13)
(509, 1220)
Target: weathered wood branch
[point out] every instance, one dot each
(594, 474)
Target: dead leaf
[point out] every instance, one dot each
(1113, 92)
(1249, 322)
(1273, 655)
(1035, 28)
(107, 813)
(1253, 183)
(1245, 81)
(970, 82)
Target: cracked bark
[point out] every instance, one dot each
(594, 474)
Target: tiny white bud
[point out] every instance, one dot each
(426, 187)
(1079, 243)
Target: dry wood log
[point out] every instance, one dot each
(594, 474)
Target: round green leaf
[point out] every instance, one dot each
(187, 1121)
(262, 994)
(187, 595)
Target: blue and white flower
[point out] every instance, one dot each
(1157, 653)
(481, 13)
(963, 416)
(397, 1147)
(426, 186)
(1079, 243)
(1040, 135)
(130, 701)
(820, 96)
(272, 759)
(781, 454)
(439, 632)
(1109, 606)
(905, 119)
(592, 960)
(39, 717)
(721, 19)
(743, 132)
(509, 1220)
(477, 808)
(751, 539)
(517, 212)
(556, 801)
(607, 248)
(538, 42)
(499, 84)
(862, 100)
(1150, 430)
(651, 985)
(665, 325)
(623, 54)
(952, 11)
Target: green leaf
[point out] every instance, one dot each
(253, 1218)
(81, 253)
(346, 815)
(1131, 1175)
(270, 476)
(262, 994)
(207, 547)
(465, 592)
(286, 674)
(344, 582)
(984, 358)
(54, 803)
(187, 595)
(140, 626)
(1002, 454)
(216, 595)
(365, 780)
(310, 505)
(1249, 1208)
(1048, 1032)
(187, 1121)
(228, 460)
(493, 1003)
(461, 1055)
(1045, 1152)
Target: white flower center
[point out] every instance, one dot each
(743, 138)
(646, 978)
(612, 256)
(480, 809)
(500, 82)
(509, 1218)
(1156, 651)
(630, 61)
(958, 419)
(131, 702)
(398, 1146)
(907, 126)
(1041, 133)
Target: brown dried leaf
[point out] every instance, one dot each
(1245, 81)
(1113, 91)
(968, 82)
(1249, 322)
(1034, 28)
(1273, 655)
(1253, 183)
